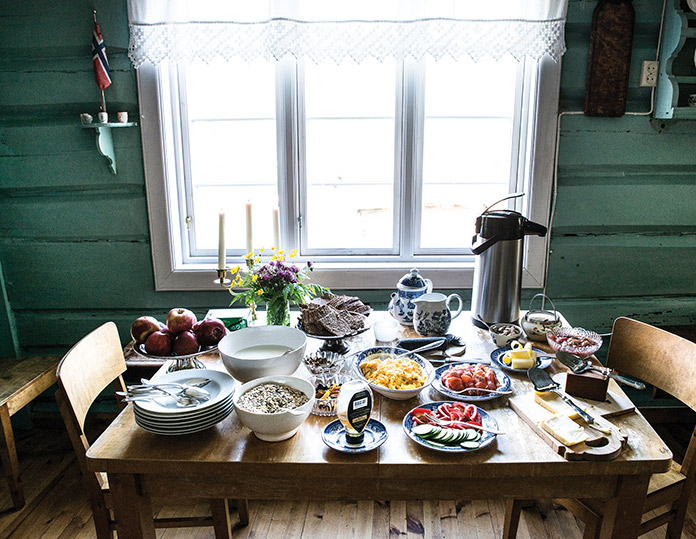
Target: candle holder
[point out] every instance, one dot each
(226, 283)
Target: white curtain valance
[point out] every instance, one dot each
(179, 30)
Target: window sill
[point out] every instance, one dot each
(357, 276)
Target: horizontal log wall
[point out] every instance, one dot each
(74, 238)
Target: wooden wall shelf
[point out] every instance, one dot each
(105, 142)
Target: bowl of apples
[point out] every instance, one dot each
(181, 338)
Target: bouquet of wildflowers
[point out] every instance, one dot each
(276, 282)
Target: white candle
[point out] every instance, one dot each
(249, 245)
(276, 229)
(221, 242)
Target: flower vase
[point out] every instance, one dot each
(278, 313)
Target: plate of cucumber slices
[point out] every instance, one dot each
(449, 438)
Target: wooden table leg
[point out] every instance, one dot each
(622, 514)
(132, 509)
(8, 455)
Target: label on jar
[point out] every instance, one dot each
(359, 410)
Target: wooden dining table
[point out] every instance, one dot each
(228, 461)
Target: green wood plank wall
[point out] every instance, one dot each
(74, 239)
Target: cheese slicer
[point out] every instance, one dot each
(543, 383)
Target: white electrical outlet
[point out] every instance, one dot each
(648, 75)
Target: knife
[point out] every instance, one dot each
(543, 383)
(578, 365)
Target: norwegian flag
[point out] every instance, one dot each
(101, 64)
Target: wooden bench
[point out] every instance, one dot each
(22, 379)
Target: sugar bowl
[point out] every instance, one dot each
(537, 322)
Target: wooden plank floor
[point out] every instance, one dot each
(58, 508)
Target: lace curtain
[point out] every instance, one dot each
(335, 29)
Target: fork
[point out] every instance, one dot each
(444, 423)
(467, 389)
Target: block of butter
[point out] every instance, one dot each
(564, 429)
(554, 404)
(520, 357)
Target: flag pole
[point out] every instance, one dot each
(103, 106)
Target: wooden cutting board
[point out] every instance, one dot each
(599, 446)
(615, 404)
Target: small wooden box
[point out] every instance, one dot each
(587, 385)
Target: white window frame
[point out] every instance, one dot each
(166, 223)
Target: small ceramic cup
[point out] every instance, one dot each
(386, 330)
(103, 117)
(692, 100)
(122, 117)
(85, 118)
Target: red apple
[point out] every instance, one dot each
(180, 320)
(185, 344)
(159, 344)
(210, 331)
(143, 327)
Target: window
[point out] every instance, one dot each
(376, 166)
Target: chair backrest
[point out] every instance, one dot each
(661, 359)
(89, 367)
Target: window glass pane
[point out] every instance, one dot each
(232, 150)
(349, 154)
(468, 133)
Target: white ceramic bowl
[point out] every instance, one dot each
(501, 340)
(257, 351)
(281, 425)
(396, 394)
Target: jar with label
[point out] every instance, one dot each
(354, 408)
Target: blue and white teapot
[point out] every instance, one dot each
(409, 287)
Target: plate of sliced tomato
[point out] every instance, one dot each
(457, 376)
(455, 428)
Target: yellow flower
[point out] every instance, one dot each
(274, 257)
(293, 253)
(261, 250)
(259, 293)
(254, 278)
(234, 270)
(257, 260)
(249, 255)
(281, 252)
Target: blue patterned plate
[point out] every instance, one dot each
(486, 437)
(334, 436)
(503, 384)
(498, 353)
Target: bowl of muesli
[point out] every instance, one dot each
(274, 407)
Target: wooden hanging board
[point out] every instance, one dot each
(609, 58)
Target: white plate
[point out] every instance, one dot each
(692, 5)
(220, 387)
(197, 427)
(183, 422)
(196, 414)
(184, 426)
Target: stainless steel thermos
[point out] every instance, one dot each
(499, 249)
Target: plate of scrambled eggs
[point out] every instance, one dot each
(394, 378)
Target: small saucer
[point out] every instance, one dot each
(334, 436)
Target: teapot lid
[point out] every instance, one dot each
(412, 280)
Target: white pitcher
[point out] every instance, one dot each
(432, 315)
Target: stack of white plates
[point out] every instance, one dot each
(163, 415)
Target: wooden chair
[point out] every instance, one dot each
(84, 372)
(668, 362)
